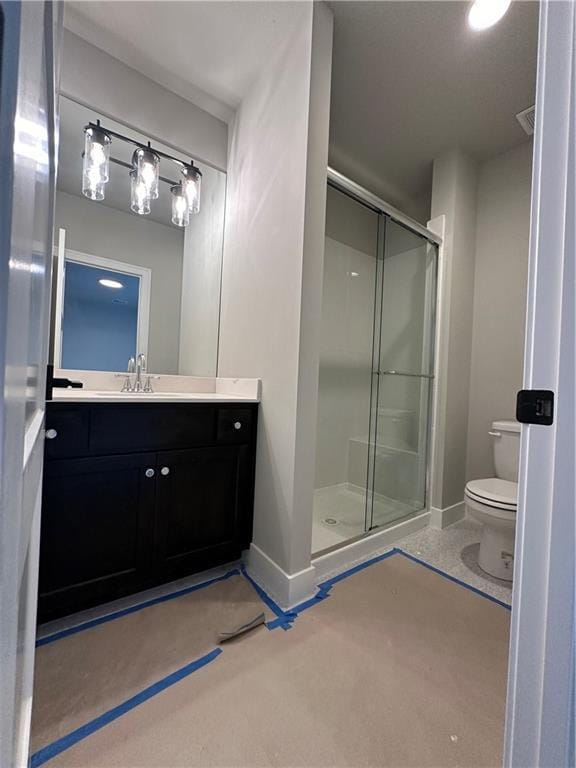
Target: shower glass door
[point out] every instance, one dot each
(402, 375)
(375, 372)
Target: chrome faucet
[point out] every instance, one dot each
(127, 386)
(140, 369)
(138, 366)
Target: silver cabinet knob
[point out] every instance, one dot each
(149, 472)
(51, 434)
(237, 425)
(165, 471)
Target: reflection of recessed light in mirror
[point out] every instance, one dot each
(354, 274)
(110, 283)
(485, 13)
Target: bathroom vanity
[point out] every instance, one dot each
(149, 474)
(141, 490)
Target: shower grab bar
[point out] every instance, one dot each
(403, 373)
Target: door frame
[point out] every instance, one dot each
(143, 273)
(28, 123)
(540, 714)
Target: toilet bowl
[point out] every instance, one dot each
(492, 502)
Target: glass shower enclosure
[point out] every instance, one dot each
(376, 371)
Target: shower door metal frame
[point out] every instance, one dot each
(375, 374)
(344, 184)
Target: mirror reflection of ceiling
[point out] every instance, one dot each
(84, 286)
(73, 118)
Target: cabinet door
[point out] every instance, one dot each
(96, 536)
(200, 508)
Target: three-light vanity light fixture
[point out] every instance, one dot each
(144, 174)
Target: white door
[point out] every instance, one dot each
(27, 124)
(540, 710)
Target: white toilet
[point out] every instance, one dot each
(493, 501)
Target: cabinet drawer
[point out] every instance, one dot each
(128, 427)
(234, 425)
(67, 431)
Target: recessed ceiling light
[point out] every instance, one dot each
(110, 283)
(485, 13)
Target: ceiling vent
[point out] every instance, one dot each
(526, 119)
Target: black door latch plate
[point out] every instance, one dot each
(535, 406)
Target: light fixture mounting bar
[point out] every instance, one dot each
(139, 144)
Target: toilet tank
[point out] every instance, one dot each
(506, 437)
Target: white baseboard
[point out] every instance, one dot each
(375, 543)
(442, 518)
(285, 589)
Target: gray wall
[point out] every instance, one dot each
(272, 274)
(102, 231)
(500, 283)
(454, 195)
(96, 79)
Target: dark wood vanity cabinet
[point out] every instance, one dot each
(140, 494)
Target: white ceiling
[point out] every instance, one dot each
(409, 78)
(206, 51)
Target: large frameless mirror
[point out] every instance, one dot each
(136, 273)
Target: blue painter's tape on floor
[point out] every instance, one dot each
(324, 591)
(283, 618)
(329, 583)
(60, 745)
(455, 580)
(134, 608)
(325, 587)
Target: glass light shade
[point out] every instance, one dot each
(96, 162)
(140, 199)
(191, 182)
(147, 165)
(92, 188)
(180, 210)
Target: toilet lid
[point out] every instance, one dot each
(494, 491)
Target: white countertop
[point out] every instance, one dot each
(105, 387)
(107, 396)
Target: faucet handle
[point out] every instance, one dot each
(127, 383)
(148, 383)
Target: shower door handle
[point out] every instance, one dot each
(404, 373)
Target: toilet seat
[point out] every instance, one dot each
(493, 492)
